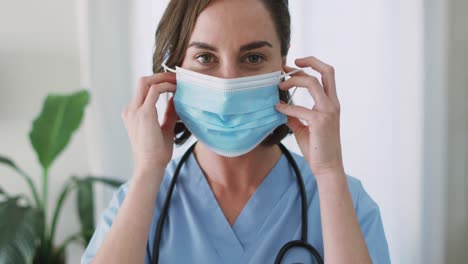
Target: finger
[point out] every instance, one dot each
(124, 113)
(170, 117)
(155, 91)
(287, 69)
(300, 132)
(295, 111)
(145, 83)
(327, 72)
(311, 84)
(295, 124)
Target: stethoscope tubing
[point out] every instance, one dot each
(295, 243)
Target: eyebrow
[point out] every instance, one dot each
(246, 47)
(202, 45)
(255, 45)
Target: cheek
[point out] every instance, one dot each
(277, 62)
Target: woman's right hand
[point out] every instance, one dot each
(151, 142)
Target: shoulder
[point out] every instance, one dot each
(108, 215)
(120, 193)
(355, 186)
(362, 201)
(367, 211)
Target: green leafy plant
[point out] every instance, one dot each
(26, 235)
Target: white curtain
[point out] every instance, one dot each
(376, 48)
(104, 44)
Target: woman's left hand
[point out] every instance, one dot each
(319, 138)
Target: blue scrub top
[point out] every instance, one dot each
(196, 230)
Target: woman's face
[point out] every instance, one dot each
(234, 39)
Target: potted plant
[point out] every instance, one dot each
(26, 235)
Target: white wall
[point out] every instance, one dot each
(103, 34)
(38, 55)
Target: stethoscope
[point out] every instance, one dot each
(302, 243)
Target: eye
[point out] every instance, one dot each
(205, 58)
(254, 59)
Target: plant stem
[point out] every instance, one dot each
(31, 186)
(45, 174)
(45, 239)
(58, 208)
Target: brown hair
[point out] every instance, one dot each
(173, 35)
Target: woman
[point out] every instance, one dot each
(236, 197)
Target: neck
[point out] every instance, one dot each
(237, 173)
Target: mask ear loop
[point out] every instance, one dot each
(166, 69)
(295, 88)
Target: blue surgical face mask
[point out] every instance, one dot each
(230, 116)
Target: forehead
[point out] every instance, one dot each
(234, 22)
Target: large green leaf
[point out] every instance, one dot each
(85, 200)
(61, 115)
(19, 232)
(3, 194)
(107, 181)
(85, 205)
(69, 185)
(10, 163)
